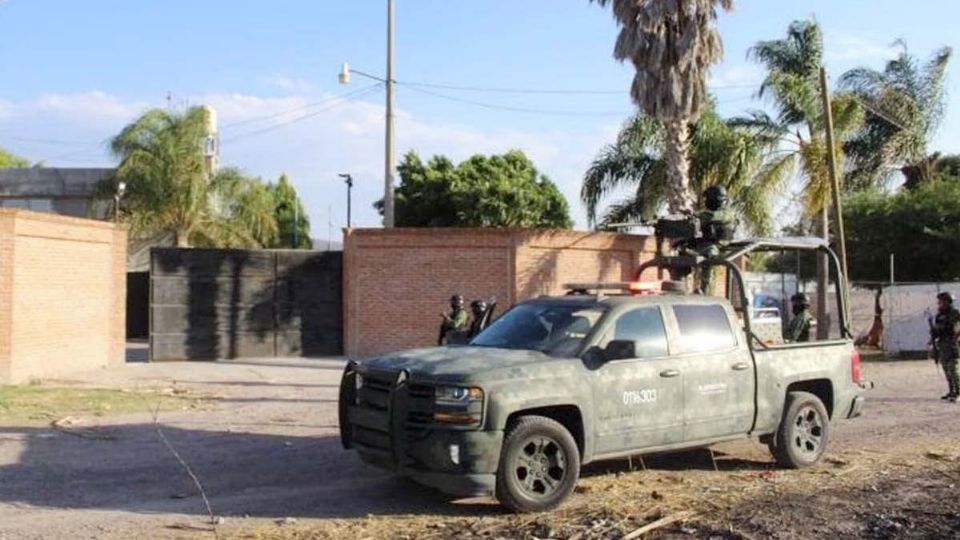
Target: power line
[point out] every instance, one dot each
(343, 99)
(503, 90)
(51, 141)
(295, 109)
(494, 106)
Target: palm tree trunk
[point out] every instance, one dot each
(678, 166)
(181, 238)
(823, 277)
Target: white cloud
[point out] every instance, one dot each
(736, 76)
(310, 137)
(845, 48)
(289, 84)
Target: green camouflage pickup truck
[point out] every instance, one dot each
(559, 382)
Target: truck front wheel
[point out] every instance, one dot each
(539, 465)
(803, 433)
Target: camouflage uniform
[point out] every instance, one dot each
(453, 324)
(946, 328)
(799, 328)
(716, 228)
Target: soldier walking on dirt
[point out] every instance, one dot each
(944, 331)
(455, 321)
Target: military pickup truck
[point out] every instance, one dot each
(559, 382)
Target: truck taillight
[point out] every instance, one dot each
(855, 366)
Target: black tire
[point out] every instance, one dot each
(539, 465)
(804, 431)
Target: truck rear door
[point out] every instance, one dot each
(719, 376)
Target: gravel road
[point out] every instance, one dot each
(267, 448)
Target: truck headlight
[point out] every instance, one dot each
(459, 405)
(457, 395)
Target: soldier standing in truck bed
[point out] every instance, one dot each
(717, 227)
(798, 331)
(943, 334)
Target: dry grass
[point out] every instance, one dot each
(34, 404)
(612, 506)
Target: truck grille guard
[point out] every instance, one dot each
(384, 414)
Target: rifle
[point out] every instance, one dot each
(932, 345)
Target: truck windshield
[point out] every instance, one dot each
(557, 330)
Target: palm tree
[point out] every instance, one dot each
(170, 189)
(905, 104)
(792, 85)
(720, 155)
(672, 44)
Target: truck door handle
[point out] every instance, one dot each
(669, 373)
(740, 366)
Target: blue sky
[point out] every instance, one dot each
(75, 72)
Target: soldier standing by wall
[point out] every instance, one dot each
(943, 336)
(455, 321)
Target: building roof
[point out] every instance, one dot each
(51, 182)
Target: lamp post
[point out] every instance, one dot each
(388, 150)
(121, 188)
(349, 181)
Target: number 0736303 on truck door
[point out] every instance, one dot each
(639, 401)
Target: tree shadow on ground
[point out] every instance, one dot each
(243, 474)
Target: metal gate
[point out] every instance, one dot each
(207, 304)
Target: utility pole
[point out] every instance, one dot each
(349, 181)
(388, 166)
(835, 184)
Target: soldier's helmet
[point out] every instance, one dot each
(946, 297)
(456, 300)
(801, 299)
(715, 197)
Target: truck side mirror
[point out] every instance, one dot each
(620, 349)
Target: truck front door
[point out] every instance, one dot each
(719, 377)
(639, 401)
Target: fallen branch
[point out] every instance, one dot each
(660, 523)
(185, 466)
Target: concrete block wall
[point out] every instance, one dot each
(62, 295)
(397, 282)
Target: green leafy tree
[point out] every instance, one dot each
(921, 227)
(483, 191)
(8, 160)
(720, 155)
(292, 222)
(905, 103)
(672, 46)
(169, 188)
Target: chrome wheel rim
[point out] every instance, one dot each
(808, 430)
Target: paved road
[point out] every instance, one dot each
(269, 448)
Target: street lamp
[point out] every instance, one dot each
(121, 188)
(389, 81)
(349, 181)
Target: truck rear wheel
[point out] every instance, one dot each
(539, 465)
(802, 436)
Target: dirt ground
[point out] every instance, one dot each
(266, 448)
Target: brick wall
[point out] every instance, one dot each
(62, 295)
(397, 282)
